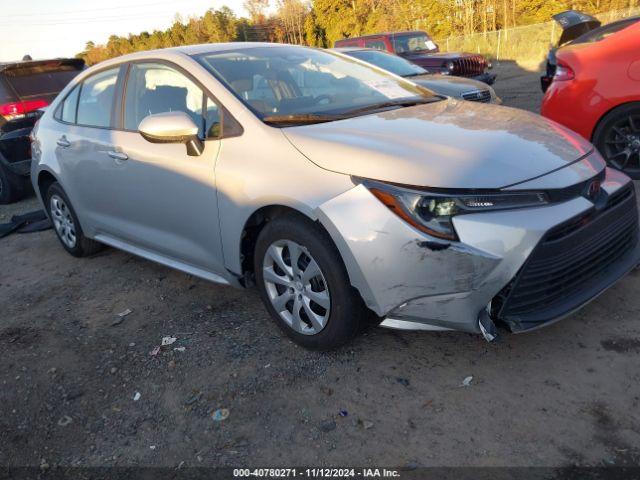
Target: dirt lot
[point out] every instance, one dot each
(565, 395)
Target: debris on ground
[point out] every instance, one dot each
(194, 399)
(343, 413)
(366, 424)
(155, 351)
(403, 381)
(179, 349)
(121, 316)
(168, 341)
(137, 396)
(467, 381)
(220, 415)
(326, 390)
(65, 420)
(327, 425)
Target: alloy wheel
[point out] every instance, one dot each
(296, 287)
(622, 144)
(63, 221)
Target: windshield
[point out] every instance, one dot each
(389, 62)
(413, 42)
(305, 82)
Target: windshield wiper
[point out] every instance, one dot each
(299, 118)
(397, 103)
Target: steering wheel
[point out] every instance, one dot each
(320, 98)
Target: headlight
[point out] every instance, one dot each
(450, 66)
(432, 212)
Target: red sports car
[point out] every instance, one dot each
(595, 91)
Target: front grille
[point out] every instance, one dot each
(483, 96)
(470, 66)
(572, 263)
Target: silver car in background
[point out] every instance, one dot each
(347, 194)
(449, 85)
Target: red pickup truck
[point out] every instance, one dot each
(419, 48)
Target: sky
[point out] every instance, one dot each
(61, 28)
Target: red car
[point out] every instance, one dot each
(595, 91)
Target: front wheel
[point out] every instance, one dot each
(304, 284)
(617, 137)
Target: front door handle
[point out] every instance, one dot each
(118, 155)
(63, 142)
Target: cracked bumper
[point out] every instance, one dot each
(405, 275)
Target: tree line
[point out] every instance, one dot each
(321, 22)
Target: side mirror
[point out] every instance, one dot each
(172, 127)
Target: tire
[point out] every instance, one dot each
(66, 225)
(12, 187)
(346, 315)
(617, 137)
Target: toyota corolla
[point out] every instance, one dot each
(347, 194)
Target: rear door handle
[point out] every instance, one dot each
(118, 155)
(63, 142)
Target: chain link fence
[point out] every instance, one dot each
(527, 45)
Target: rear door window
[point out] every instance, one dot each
(95, 103)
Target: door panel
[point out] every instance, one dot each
(160, 198)
(83, 138)
(164, 200)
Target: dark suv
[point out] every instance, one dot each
(25, 88)
(419, 48)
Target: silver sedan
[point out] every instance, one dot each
(449, 85)
(348, 195)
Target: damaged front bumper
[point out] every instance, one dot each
(414, 279)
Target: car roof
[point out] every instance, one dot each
(607, 26)
(208, 48)
(189, 50)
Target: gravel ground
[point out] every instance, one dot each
(72, 369)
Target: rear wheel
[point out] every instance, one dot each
(66, 225)
(617, 137)
(304, 284)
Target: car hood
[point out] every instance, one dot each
(447, 144)
(449, 85)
